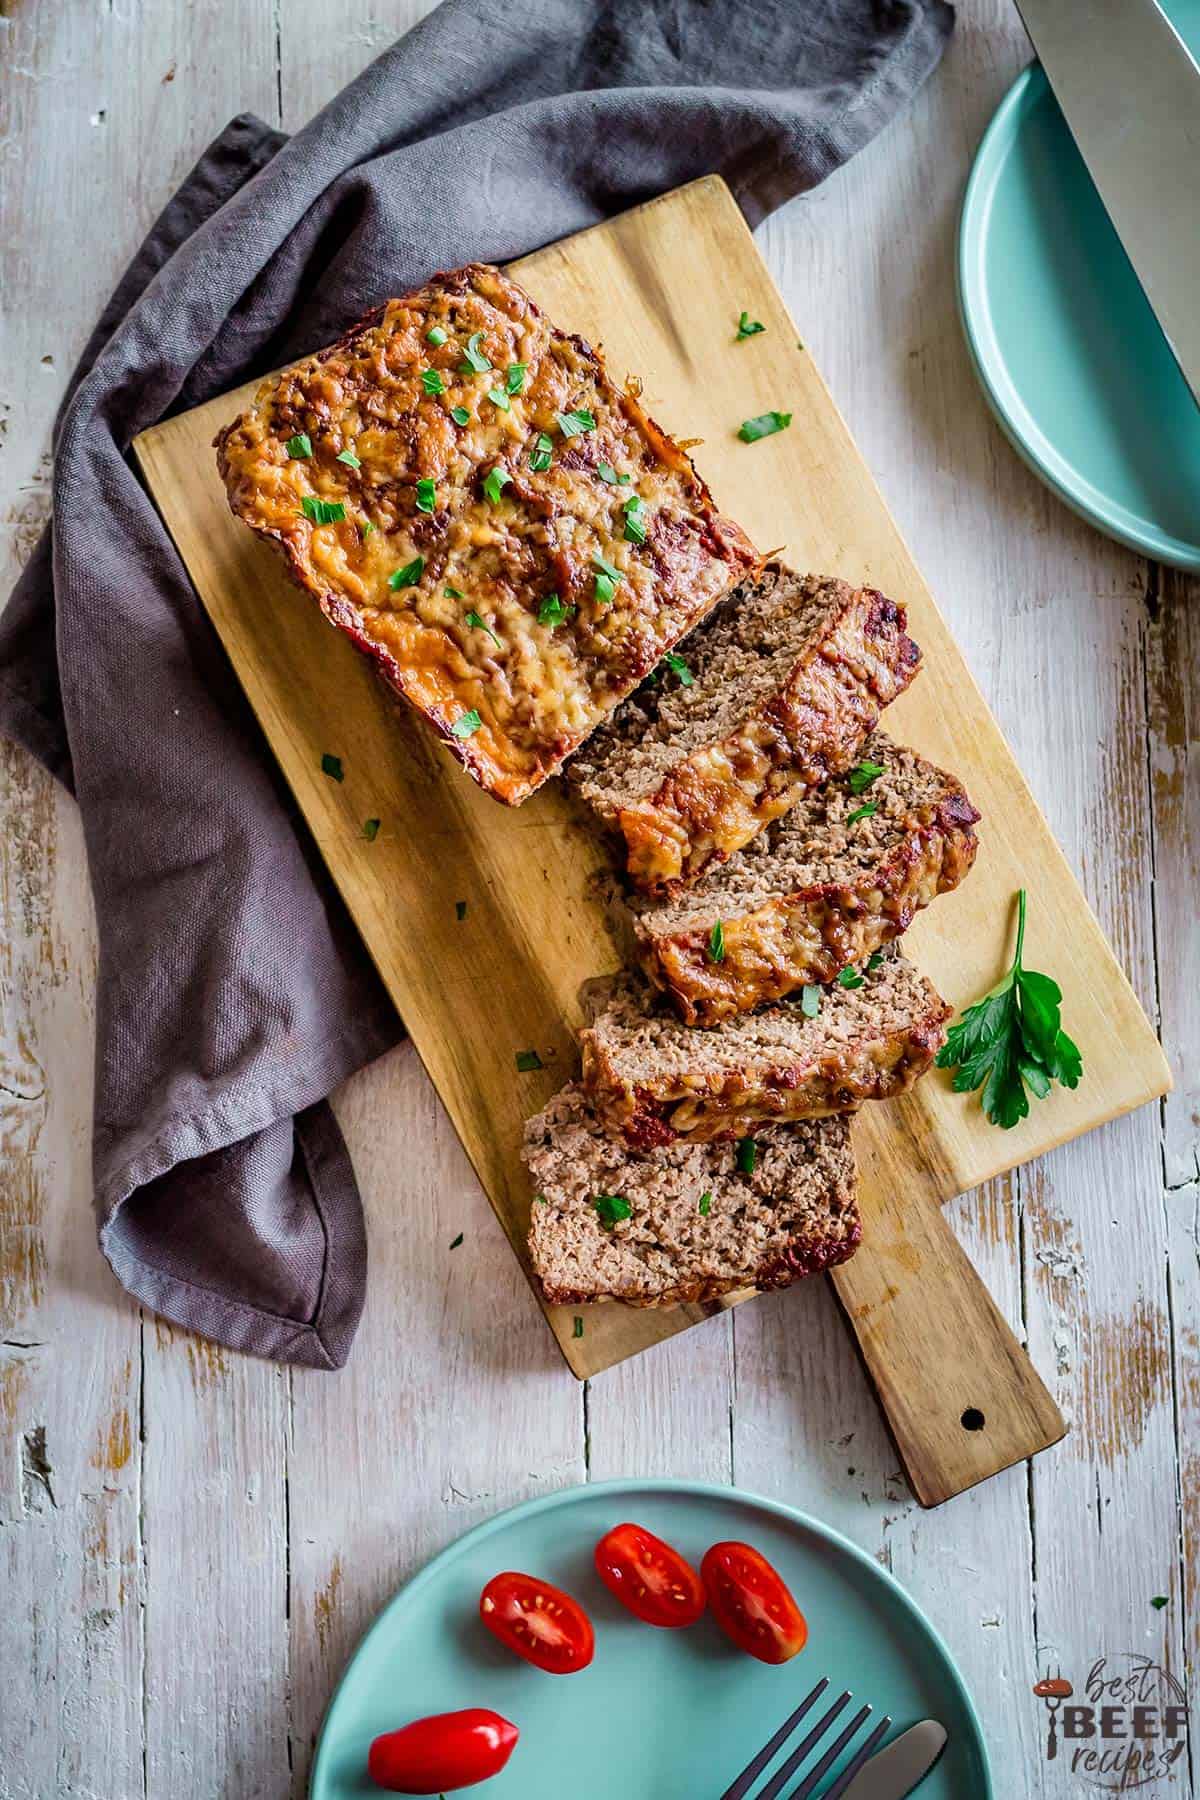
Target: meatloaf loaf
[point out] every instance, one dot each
(772, 696)
(653, 1079)
(683, 1222)
(840, 874)
(464, 492)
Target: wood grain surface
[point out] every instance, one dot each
(191, 1541)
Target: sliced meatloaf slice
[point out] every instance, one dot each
(652, 1078)
(683, 1222)
(840, 874)
(775, 694)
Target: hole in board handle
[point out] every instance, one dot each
(972, 1419)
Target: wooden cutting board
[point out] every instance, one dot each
(485, 921)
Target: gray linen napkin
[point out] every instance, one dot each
(233, 993)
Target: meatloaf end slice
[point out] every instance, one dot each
(775, 694)
(434, 481)
(652, 1078)
(691, 1225)
(844, 872)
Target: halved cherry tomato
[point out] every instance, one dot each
(539, 1622)
(441, 1753)
(751, 1603)
(649, 1577)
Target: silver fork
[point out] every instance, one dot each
(808, 1745)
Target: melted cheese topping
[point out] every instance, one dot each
(539, 688)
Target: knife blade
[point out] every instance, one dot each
(896, 1770)
(1129, 90)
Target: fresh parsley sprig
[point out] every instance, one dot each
(1011, 1040)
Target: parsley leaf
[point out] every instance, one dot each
(1011, 1040)
(409, 575)
(528, 1060)
(747, 1155)
(578, 1327)
(366, 528)
(435, 336)
(475, 361)
(348, 457)
(453, 593)
(635, 521)
(543, 453)
(862, 812)
(606, 580)
(322, 512)
(460, 415)
(873, 961)
(455, 1242)
(849, 977)
(765, 425)
(466, 724)
(499, 398)
(432, 382)
(679, 668)
(810, 1001)
(300, 445)
(611, 1207)
(705, 1204)
(426, 495)
(514, 377)
(748, 327)
(572, 424)
(606, 472)
(716, 942)
(370, 830)
(1158, 1602)
(552, 612)
(478, 624)
(863, 774)
(332, 766)
(494, 484)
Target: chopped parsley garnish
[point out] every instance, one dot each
(679, 668)
(747, 1155)
(460, 415)
(611, 1207)
(366, 528)
(543, 453)
(552, 611)
(300, 445)
(426, 495)
(322, 512)
(494, 484)
(765, 425)
(606, 580)
(348, 457)
(1158, 1602)
(478, 624)
(873, 961)
(635, 520)
(499, 398)
(810, 1001)
(716, 942)
(332, 766)
(453, 593)
(436, 336)
(432, 382)
(455, 1242)
(606, 472)
(863, 774)
(460, 909)
(475, 361)
(706, 1204)
(409, 575)
(578, 1327)
(514, 377)
(572, 424)
(849, 977)
(370, 830)
(1012, 1039)
(466, 725)
(528, 1060)
(862, 812)
(748, 327)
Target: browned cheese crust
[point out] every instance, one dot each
(653, 1079)
(471, 631)
(818, 891)
(698, 1226)
(788, 678)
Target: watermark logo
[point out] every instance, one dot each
(1125, 1728)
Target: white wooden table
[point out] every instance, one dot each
(191, 1541)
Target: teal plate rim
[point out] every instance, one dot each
(525, 1509)
(1013, 416)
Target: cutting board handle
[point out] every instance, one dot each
(961, 1397)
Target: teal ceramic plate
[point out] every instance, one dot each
(1065, 344)
(659, 1715)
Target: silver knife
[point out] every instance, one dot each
(896, 1770)
(1130, 91)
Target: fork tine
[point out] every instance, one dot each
(830, 1757)
(757, 1764)
(856, 1762)
(787, 1769)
